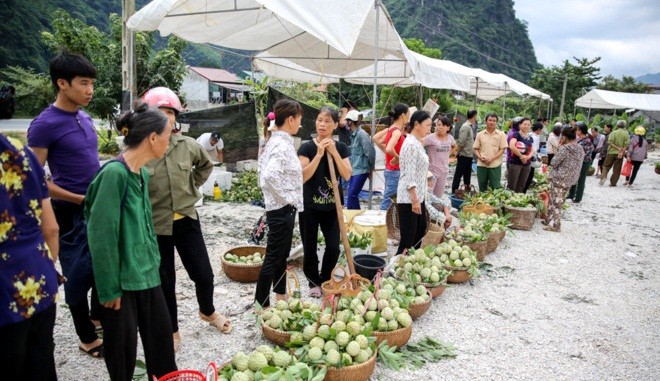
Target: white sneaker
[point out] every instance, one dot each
(602, 181)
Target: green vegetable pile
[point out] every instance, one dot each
(244, 188)
(361, 241)
(293, 315)
(256, 258)
(421, 266)
(267, 363)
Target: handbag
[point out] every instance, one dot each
(627, 168)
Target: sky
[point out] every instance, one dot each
(625, 34)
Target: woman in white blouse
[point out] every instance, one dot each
(281, 181)
(411, 191)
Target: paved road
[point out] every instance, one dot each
(14, 124)
(23, 124)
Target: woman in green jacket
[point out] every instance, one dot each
(124, 250)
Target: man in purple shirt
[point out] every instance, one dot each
(64, 136)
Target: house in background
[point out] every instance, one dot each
(204, 87)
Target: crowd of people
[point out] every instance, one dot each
(116, 228)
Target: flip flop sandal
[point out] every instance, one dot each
(176, 343)
(221, 323)
(96, 352)
(316, 292)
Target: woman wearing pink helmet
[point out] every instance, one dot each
(174, 189)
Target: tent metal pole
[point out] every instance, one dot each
(504, 104)
(374, 97)
(547, 114)
(476, 92)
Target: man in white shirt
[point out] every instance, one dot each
(211, 142)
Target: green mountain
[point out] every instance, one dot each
(649, 79)
(476, 33)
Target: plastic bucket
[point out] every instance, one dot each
(367, 265)
(456, 202)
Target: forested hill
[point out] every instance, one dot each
(476, 33)
(23, 21)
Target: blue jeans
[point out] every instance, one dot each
(391, 183)
(355, 185)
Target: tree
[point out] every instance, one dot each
(581, 77)
(153, 68)
(626, 84)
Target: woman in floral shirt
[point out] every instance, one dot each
(564, 173)
(28, 279)
(411, 191)
(584, 141)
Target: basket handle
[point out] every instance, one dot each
(292, 282)
(211, 372)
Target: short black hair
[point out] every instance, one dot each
(537, 126)
(471, 114)
(492, 115)
(68, 66)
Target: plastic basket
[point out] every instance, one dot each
(192, 375)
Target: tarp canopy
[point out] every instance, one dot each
(305, 40)
(612, 100)
(300, 40)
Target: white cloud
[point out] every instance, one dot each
(626, 35)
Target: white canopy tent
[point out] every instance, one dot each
(298, 40)
(613, 100)
(294, 36)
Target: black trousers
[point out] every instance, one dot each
(189, 242)
(309, 221)
(550, 156)
(278, 246)
(145, 311)
(27, 348)
(463, 169)
(636, 164)
(530, 178)
(412, 227)
(81, 313)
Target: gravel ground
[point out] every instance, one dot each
(579, 305)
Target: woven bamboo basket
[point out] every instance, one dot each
(392, 222)
(244, 273)
(417, 310)
(522, 218)
(396, 338)
(436, 290)
(494, 239)
(478, 208)
(434, 235)
(479, 248)
(359, 372)
(275, 336)
(458, 275)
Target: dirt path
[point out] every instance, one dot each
(579, 305)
